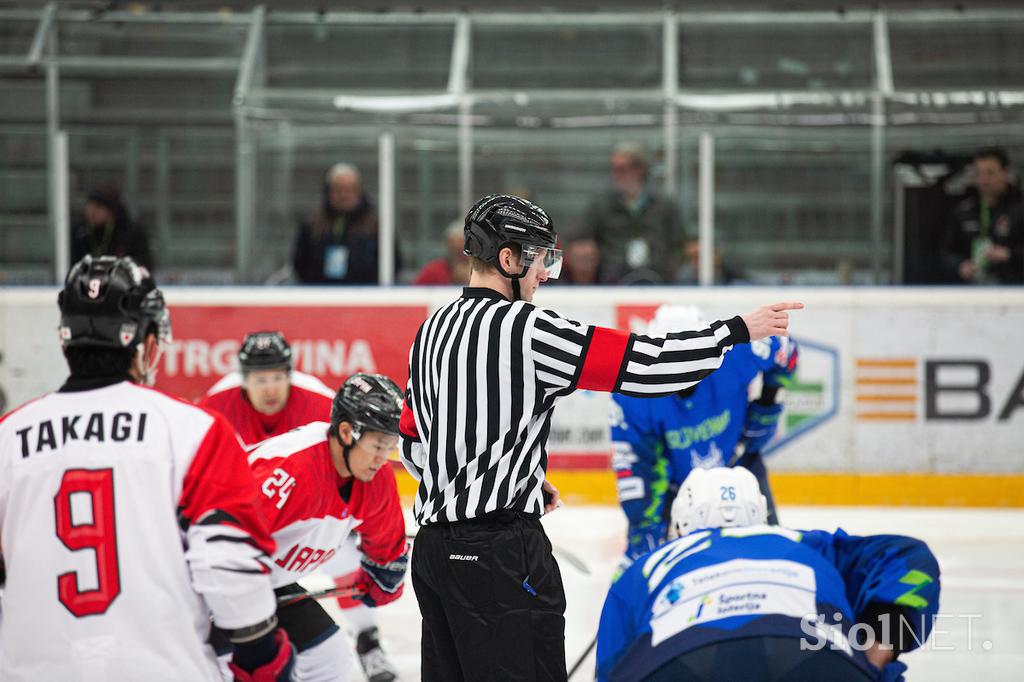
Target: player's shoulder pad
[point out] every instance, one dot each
(310, 383)
(225, 383)
(289, 444)
(167, 399)
(22, 407)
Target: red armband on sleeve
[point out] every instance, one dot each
(603, 360)
(407, 422)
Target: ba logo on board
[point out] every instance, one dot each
(907, 389)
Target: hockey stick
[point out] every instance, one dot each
(571, 558)
(348, 591)
(583, 657)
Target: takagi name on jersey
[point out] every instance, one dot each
(51, 434)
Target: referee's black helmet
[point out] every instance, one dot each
(369, 402)
(264, 350)
(110, 302)
(499, 220)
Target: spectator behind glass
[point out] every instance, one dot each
(689, 271)
(453, 267)
(582, 262)
(985, 232)
(637, 231)
(106, 230)
(339, 244)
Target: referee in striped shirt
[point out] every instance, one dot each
(485, 373)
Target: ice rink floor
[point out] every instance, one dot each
(981, 554)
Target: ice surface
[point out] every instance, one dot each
(981, 553)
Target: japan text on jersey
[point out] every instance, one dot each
(312, 509)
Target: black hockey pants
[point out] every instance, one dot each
(492, 601)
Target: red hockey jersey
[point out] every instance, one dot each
(312, 509)
(309, 400)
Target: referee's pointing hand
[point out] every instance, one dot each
(769, 320)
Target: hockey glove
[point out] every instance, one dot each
(644, 537)
(279, 669)
(760, 426)
(381, 583)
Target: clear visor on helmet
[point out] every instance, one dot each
(154, 306)
(550, 260)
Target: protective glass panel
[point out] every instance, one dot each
(342, 56)
(561, 159)
(26, 243)
(175, 187)
(563, 56)
(793, 206)
(962, 54)
(429, 217)
(16, 36)
(776, 56)
(142, 38)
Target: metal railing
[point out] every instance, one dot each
(674, 106)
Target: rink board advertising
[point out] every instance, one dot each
(908, 382)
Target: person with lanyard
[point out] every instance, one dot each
(106, 230)
(339, 244)
(638, 230)
(485, 373)
(985, 233)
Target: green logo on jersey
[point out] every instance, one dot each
(911, 598)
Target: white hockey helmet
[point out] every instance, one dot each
(676, 318)
(722, 497)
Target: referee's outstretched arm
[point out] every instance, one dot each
(610, 360)
(564, 355)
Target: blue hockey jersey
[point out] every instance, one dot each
(657, 441)
(730, 583)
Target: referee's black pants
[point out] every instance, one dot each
(492, 601)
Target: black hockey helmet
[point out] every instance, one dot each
(369, 402)
(264, 350)
(110, 302)
(501, 220)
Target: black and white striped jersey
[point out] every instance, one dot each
(484, 376)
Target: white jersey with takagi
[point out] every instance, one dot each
(126, 518)
(312, 509)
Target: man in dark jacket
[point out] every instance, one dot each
(985, 232)
(339, 244)
(639, 232)
(106, 230)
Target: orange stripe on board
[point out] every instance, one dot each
(875, 398)
(791, 487)
(888, 381)
(887, 416)
(900, 362)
